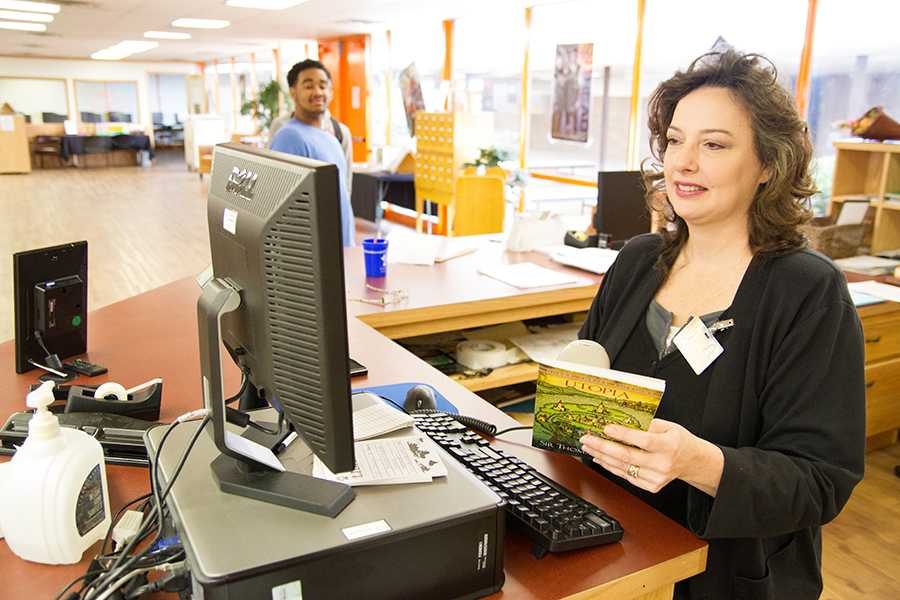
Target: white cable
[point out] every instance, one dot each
(122, 582)
(127, 527)
(194, 414)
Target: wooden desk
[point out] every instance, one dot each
(881, 332)
(453, 295)
(155, 335)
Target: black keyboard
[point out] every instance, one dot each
(553, 518)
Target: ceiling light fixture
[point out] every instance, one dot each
(14, 15)
(39, 7)
(200, 23)
(123, 49)
(167, 35)
(264, 4)
(20, 26)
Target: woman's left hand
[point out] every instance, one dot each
(664, 452)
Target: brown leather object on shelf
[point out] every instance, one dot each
(876, 125)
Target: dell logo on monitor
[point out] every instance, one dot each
(241, 182)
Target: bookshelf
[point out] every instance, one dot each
(870, 169)
(15, 156)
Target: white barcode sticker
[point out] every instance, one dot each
(288, 591)
(229, 221)
(366, 529)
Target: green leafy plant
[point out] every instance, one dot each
(266, 106)
(488, 157)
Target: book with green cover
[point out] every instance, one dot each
(574, 399)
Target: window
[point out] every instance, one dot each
(422, 44)
(491, 81)
(675, 33)
(41, 100)
(611, 27)
(107, 101)
(855, 66)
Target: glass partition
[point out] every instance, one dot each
(41, 100)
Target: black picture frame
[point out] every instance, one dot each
(36, 267)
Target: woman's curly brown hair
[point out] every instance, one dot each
(780, 140)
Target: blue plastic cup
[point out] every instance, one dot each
(375, 253)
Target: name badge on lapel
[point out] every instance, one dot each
(697, 344)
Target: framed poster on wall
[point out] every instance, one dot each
(411, 89)
(572, 92)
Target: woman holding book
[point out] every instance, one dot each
(759, 438)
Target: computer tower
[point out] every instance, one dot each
(431, 540)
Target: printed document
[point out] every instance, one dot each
(410, 459)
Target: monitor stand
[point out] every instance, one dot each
(251, 400)
(239, 470)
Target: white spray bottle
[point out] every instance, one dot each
(54, 501)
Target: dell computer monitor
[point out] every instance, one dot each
(621, 209)
(277, 302)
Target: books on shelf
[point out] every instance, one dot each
(574, 399)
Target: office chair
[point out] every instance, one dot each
(479, 205)
(118, 117)
(52, 117)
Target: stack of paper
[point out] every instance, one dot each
(868, 265)
(594, 260)
(877, 289)
(526, 275)
(411, 459)
(405, 247)
(378, 419)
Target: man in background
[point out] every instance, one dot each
(329, 123)
(311, 133)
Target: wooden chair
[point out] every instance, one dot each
(46, 145)
(479, 205)
(206, 159)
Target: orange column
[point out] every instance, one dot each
(330, 56)
(347, 60)
(276, 58)
(356, 93)
(447, 72)
(632, 151)
(802, 93)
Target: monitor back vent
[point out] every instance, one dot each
(294, 318)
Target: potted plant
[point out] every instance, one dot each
(266, 105)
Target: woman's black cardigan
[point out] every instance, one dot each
(786, 404)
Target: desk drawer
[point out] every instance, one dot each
(883, 397)
(882, 334)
